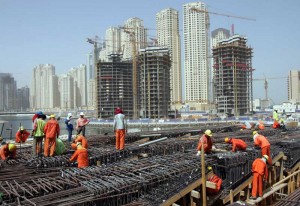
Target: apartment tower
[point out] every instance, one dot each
(294, 86)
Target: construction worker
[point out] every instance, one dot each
(35, 116)
(264, 144)
(260, 125)
(59, 147)
(38, 135)
(8, 151)
(81, 155)
(236, 144)
(276, 124)
(275, 117)
(119, 128)
(21, 135)
(82, 139)
(282, 125)
(69, 126)
(51, 131)
(206, 140)
(247, 125)
(260, 173)
(81, 123)
(214, 179)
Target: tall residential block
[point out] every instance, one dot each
(154, 82)
(8, 92)
(167, 25)
(134, 37)
(80, 85)
(44, 93)
(233, 76)
(66, 89)
(114, 87)
(196, 52)
(218, 35)
(23, 99)
(294, 86)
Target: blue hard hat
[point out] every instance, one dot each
(39, 112)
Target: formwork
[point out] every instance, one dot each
(154, 86)
(232, 78)
(114, 87)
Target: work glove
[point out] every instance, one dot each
(198, 153)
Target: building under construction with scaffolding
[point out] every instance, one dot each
(233, 92)
(154, 82)
(114, 87)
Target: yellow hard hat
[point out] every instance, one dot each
(1, 138)
(21, 128)
(254, 133)
(52, 116)
(208, 132)
(266, 157)
(209, 168)
(78, 143)
(12, 147)
(226, 139)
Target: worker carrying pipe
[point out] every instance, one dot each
(8, 151)
(206, 140)
(236, 144)
(79, 138)
(22, 135)
(81, 155)
(264, 144)
(260, 174)
(214, 179)
(51, 131)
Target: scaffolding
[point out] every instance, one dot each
(114, 87)
(154, 82)
(233, 76)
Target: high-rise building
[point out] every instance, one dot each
(90, 66)
(8, 92)
(66, 90)
(23, 99)
(233, 76)
(44, 93)
(218, 35)
(154, 82)
(133, 29)
(114, 87)
(167, 25)
(294, 86)
(196, 53)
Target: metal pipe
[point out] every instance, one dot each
(154, 141)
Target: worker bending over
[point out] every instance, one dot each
(236, 144)
(214, 179)
(51, 131)
(206, 141)
(263, 143)
(81, 155)
(247, 125)
(82, 139)
(22, 135)
(260, 173)
(260, 125)
(8, 151)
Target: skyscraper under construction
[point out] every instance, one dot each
(232, 79)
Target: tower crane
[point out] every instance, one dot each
(266, 83)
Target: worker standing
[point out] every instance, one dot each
(22, 135)
(69, 126)
(8, 151)
(260, 173)
(206, 141)
(275, 117)
(81, 123)
(81, 155)
(119, 128)
(236, 144)
(80, 138)
(264, 144)
(51, 131)
(38, 135)
(214, 179)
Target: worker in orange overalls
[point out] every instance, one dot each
(260, 173)
(276, 125)
(81, 155)
(214, 179)
(8, 151)
(260, 125)
(51, 131)
(236, 144)
(22, 135)
(120, 128)
(262, 141)
(82, 139)
(206, 140)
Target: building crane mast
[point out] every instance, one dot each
(266, 83)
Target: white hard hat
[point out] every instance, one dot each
(81, 114)
(69, 114)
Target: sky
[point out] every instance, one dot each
(34, 32)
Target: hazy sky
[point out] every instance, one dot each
(36, 32)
